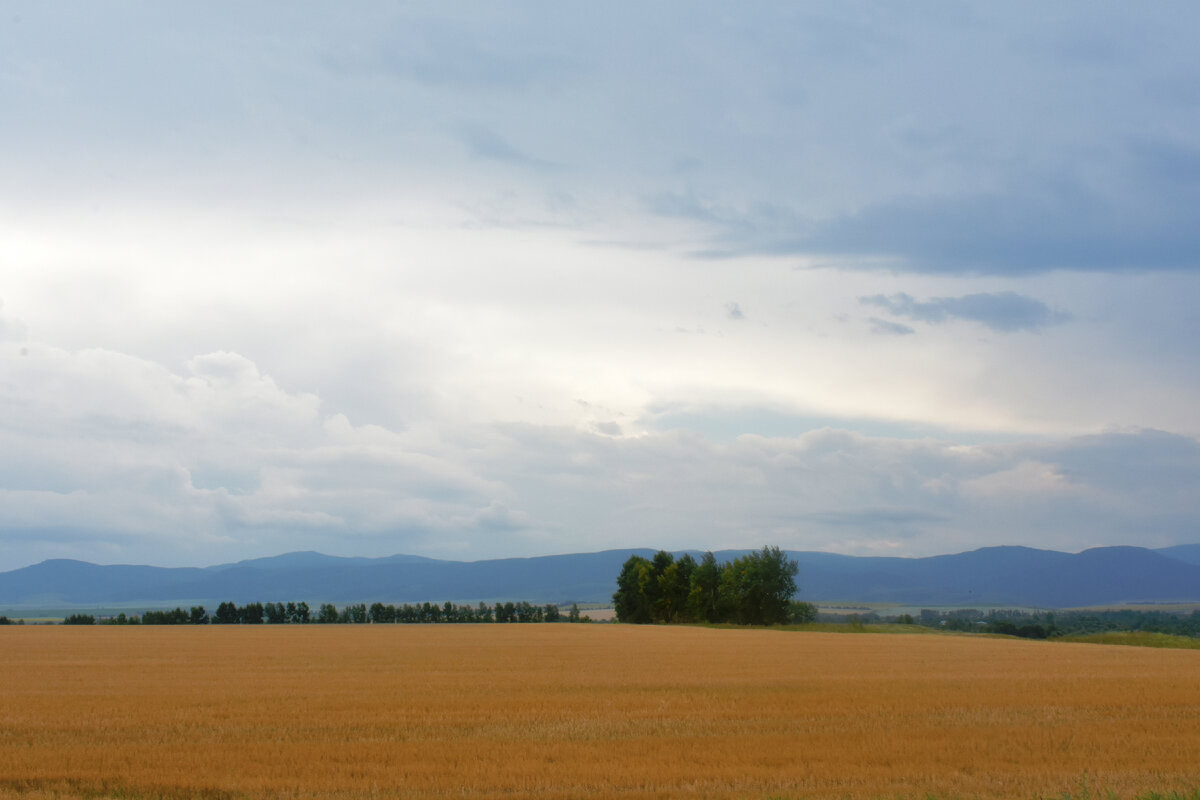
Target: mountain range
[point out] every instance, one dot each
(991, 576)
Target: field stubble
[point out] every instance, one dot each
(584, 711)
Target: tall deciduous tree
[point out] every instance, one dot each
(227, 614)
(704, 589)
(629, 601)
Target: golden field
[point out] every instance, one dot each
(584, 711)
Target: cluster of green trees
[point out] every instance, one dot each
(1044, 625)
(755, 589)
(360, 613)
(1151, 621)
(448, 612)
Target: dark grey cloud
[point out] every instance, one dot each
(1134, 214)
(1148, 462)
(1018, 233)
(1000, 311)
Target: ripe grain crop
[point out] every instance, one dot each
(584, 711)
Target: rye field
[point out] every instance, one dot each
(585, 711)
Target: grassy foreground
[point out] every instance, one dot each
(1138, 639)
(1123, 638)
(589, 711)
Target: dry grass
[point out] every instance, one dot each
(585, 711)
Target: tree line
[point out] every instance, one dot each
(329, 614)
(754, 589)
(1049, 624)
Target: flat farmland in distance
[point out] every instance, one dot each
(584, 711)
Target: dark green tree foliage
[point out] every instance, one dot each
(176, 617)
(630, 601)
(755, 589)
(227, 614)
(758, 587)
(804, 613)
(705, 590)
(297, 613)
(528, 613)
(359, 613)
(1043, 625)
(251, 614)
(276, 613)
(674, 586)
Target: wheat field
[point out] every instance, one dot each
(584, 711)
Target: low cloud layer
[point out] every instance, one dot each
(135, 463)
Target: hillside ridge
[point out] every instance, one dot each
(988, 576)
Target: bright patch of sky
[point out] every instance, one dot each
(472, 281)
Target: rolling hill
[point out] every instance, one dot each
(991, 576)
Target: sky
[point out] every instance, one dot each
(482, 280)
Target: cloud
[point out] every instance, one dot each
(488, 145)
(1024, 480)
(480, 51)
(1130, 215)
(838, 490)
(12, 330)
(1042, 222)
(427, 178)
(498, 518)
(736, 231)
(142, 461)
(885, 327)
(1017, 233)
(875, 518)
(1001, 311)
(608, 428)
(221, 462)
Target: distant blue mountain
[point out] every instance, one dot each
(1187, 553)
(1016, 576)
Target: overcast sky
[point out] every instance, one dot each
(475, 280)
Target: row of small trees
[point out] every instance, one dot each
(378, 613)
(755, 589)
